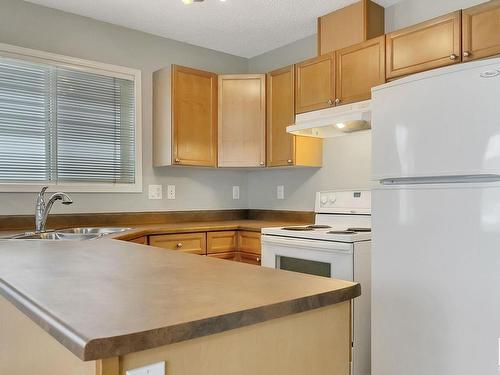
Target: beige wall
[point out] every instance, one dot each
(45, 29)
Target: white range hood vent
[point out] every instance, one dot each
(333, 122)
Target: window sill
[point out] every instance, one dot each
(71, 188)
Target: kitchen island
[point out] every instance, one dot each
(103, 307)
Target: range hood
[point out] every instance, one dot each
(333, 122)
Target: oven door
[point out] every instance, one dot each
(315, 257)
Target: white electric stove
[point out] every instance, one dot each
(338, 245)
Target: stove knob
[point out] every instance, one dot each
(324, 200)
(332, 198)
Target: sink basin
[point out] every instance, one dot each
(89, 230)
(55, 236)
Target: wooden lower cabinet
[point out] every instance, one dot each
(222, 242)
(193, 243)
(428, 45)
(358, 69)
(481, 31)
(227, 256)
(249, 258)
(249, 242)
(140, 240)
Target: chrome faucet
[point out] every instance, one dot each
(42, 209)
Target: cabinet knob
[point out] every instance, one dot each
(338, 101)
(289, 161)
(467, 53)
(453, 56)
(258, 259)
(262, 163)
(330, 101)
(177, 160)
(179, 245)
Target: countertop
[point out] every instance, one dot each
(105, 298)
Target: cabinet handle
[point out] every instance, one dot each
(467, 53)
(258, 259)
(289, 161)
(179, 245)
(453, 56)
(177, 160)
(262, 163)
(338, 101)
(330, 101)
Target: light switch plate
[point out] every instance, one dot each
(155, 192)
(236, 192)
(170, 191)
(280, 192)
(155, 369)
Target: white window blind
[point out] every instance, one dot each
(62, 125)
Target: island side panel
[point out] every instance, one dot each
(315, 342)
(25, 348)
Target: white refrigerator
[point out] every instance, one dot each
(436, 223)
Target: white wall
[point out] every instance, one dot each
(346, 160)
(28, 25)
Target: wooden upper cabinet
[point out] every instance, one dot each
(481, 31)
(284, 149)
(428, 45)
(315, 83)
(280, 114)
(350, 25)
(358, 69)
(194, 117)
(242, 120)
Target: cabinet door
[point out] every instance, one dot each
(315, 83)
(242, 120)
(358, 69)
(194, 243)
(227, 256)
(221, 242)
(249, 242)
(141, 240)
(481, 31)
(425, 46)
(249, 258)
(194, 117)
(280, 114)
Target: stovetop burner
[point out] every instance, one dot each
(298, 229)
(318, 226)
(360, 229)
(341, 232)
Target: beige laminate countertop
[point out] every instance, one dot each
(105, 298)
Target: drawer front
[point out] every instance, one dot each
(249, 258)
(227, 256)
(141, 240)
(249, 242)
(221, 242)
(194, 243)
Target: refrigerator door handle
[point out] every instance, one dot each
(441, 179)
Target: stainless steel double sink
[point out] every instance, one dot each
(70, 234)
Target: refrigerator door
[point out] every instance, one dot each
(436, 280)
(444, 122)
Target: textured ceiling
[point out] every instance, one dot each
(240, 27)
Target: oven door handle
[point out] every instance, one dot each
(308, 243)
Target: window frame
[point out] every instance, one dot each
(116, 71)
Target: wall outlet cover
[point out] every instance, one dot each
(236, 192)
(154, 369)
(280, 192)
(155, 192)
(170, 191)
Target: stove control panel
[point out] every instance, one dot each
(344, 202)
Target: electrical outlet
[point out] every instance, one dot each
(236, 192)
(170, 191)
(280, 192)
(155, 369)
(155, 192)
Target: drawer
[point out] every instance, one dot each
(221, 242)
(141, 240)
(227, 256)
(249, 258)
(194, 243)
(249, 242)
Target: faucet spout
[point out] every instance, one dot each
(42, 209)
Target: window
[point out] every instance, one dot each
(67, 122)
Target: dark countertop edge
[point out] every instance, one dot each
(121, 345)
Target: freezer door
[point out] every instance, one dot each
(436, 281)
(444, 122)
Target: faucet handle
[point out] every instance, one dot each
(42, 192)
(39, 199)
